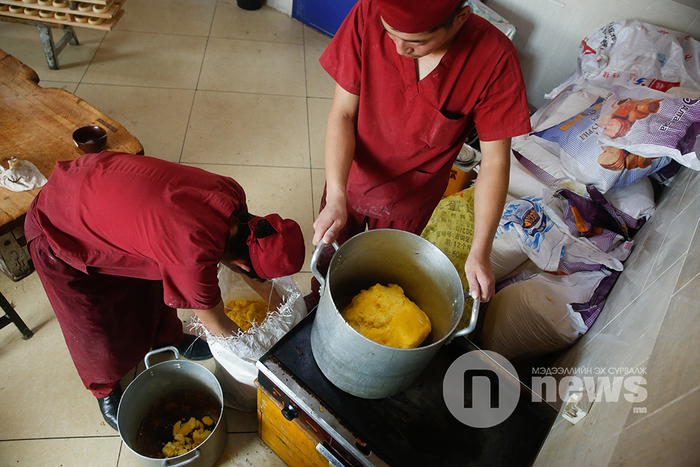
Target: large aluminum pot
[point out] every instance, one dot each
(159, 381)
(352, 362)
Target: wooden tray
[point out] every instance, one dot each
(111, 11)
(106, 25)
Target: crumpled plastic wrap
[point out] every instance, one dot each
(21, 176)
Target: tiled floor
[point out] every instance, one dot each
(200, 82)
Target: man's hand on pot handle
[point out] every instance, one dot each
(479, 274)
(330, 220)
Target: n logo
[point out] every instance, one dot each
(492, 379)
(480, 390)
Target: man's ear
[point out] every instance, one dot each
(463, 15)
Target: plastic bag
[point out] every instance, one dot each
(651, 124)
(236, 355)
(632, 53)
(584, 159)
(21, 176)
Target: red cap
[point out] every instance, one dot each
(279, 254)
(416, 16)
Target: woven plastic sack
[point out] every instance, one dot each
(451, 229)
(537, 316)
(236, 355)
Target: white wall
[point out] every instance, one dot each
(549, 32)
(285, 6)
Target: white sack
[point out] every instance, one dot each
(533, 317)
(636, 200)
(236, 355)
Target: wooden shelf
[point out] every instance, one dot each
(111, 16)
(111, 11)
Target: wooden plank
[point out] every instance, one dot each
(94, 2)
(107, 25)
(292, 443)
(37, 124)
(111, 11)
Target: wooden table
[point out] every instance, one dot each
(37, 124)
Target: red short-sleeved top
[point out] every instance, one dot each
(137, 216)
(410, 132)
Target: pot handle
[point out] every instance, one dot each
(472, 320)
(192, 455)
(314, 261)
(161, 350)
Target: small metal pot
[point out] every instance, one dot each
(161, 380)
(360, 366)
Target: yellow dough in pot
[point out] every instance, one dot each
(385, 315)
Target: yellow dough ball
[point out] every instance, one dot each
(385, 315)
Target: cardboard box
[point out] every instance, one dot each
(459, 180)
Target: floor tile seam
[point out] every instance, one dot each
(196, 86)
(253, 93)
(155, 33)
(685, 257)
(657, 253)
(308, 131)
(682, 255)
(666, 405)
(140, 86)
(632, 302)
(82, 76)
(58, 438)
(187, 126)
(301, 44)
(688, 204)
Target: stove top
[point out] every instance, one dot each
(412, 428)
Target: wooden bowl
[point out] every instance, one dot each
(90, 139)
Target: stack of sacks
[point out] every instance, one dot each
(580, 183)
(534, 229)
(629, 110)
(551, 284)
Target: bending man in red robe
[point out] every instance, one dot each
(121, 241)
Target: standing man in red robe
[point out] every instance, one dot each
(121, 241)
(413, 80)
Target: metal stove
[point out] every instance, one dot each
(412, 428)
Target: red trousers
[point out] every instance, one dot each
(109, 322)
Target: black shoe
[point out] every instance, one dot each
(109, 405)
(194, 348)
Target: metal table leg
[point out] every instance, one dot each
(11, 316)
